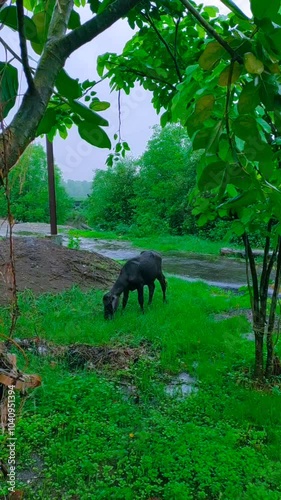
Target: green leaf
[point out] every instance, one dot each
(165, 118)
(224, 149)
(275, 198)
(263, 8)
(94, 5)
(211, 55)
(87, 114)
(249, 98)
(237, 227)
(239, 178)
(203, 109)
(74, 20)
(275, 39)
(47, 122)
(268, 91)
(29, 4)
(67, 86)
(277, 120)
(99, 105)
(201, 138)
(214, 138)
(231, 190)
(242, 200)
(225, 74)
(211, 11)
(94, 135)
(8, 16)
(245, 127)
(202, 220)
(41, 21)
(8, 87)
(258, 151)
(211, 176)
(104, 5)
(101, 64)
(252, 64)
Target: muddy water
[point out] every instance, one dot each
(223, 272)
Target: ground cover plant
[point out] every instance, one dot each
(115, 433)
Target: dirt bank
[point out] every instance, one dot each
(44, 266)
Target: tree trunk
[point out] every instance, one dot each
(257, 307)
(259, 334)
(269, 338)
(269, 355)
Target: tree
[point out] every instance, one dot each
(28, 186)
(166, 175)
(51, 101)
(220, 77)
(111, 202)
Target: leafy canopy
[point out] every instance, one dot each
(225, 91)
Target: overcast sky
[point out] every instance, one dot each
(77, 159)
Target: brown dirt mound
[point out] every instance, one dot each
(44, 266)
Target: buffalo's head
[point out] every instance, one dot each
(110, 304)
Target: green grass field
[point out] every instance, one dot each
(91, 439)
(162, 244)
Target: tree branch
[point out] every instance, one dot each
(23, 46)
(92, 28)
(8, 48)
(22, 129)
(150, 21)
(207, 27)
(145, 75)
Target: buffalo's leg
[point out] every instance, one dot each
(125, 298)
(140, 297)
(163, 283)
(151, 288)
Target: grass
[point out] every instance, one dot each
(167, 243)
(95, 441)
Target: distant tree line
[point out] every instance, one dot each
(151, 195)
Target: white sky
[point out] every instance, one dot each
(77, 159)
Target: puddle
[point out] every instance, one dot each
(33, 473)
(181, 386)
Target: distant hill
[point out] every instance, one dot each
(78, 190)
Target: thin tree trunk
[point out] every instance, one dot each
(258, 320)
(269, 337)
(258, 352)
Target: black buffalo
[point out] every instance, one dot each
(134, 275)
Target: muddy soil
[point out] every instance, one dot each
(44, 266)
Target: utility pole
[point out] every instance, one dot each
(51, 184)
